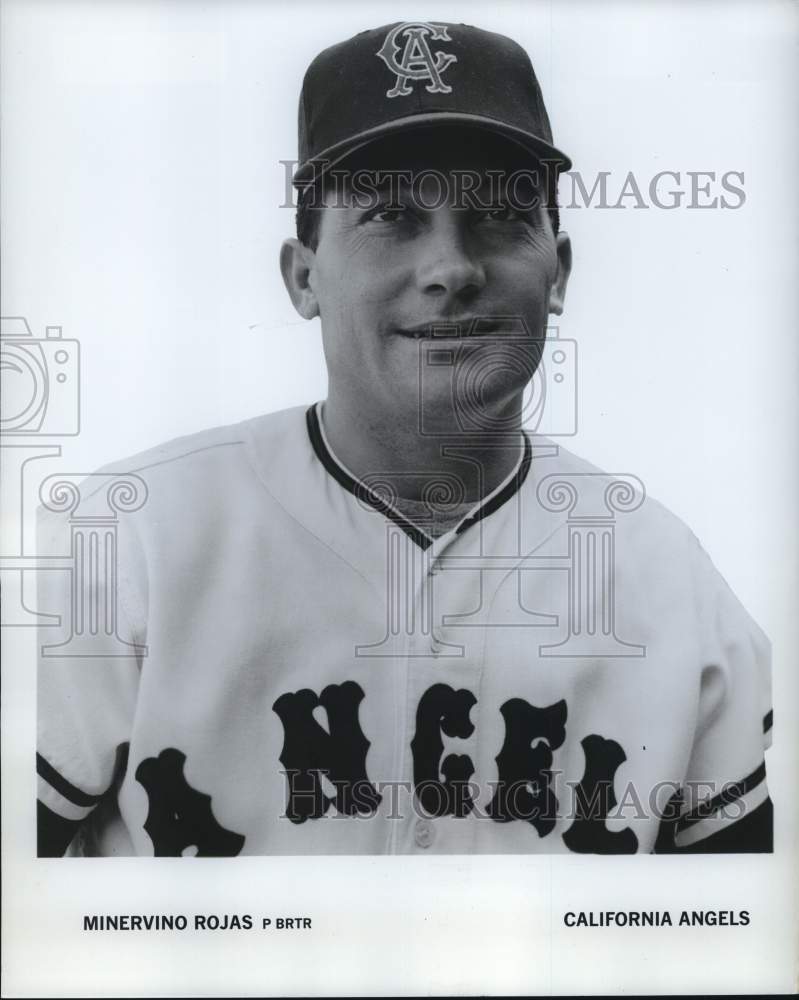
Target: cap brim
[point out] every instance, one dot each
(318, 165)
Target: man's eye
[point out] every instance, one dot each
(500, 213)
(384, 214)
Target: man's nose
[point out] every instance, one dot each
(448, 264)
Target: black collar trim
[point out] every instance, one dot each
(359, 490)
(365, 495)
(510, 489)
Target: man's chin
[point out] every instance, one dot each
(470, 413)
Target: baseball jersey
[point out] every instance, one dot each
(267, 657)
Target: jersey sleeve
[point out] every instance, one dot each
(89, 653)
(724, 804)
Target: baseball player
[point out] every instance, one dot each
(398, 620)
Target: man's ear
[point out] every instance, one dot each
(296, 264)
(557, 293)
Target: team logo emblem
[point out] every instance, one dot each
(417, 61)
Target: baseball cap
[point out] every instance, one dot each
(418, 73)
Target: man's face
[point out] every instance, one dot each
(390, 269)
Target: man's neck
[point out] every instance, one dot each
(392, 450)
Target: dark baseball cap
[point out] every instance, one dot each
(419, 73)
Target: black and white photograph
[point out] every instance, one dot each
(399, 433)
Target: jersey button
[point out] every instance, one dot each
(423, 833)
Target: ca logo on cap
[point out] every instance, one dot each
(417, 61)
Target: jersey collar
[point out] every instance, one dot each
(488, 505)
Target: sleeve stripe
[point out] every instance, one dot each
(56, 802)
(768, 720)
(62, 786)
(722, 823)
(730, 794)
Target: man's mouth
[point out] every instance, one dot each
(469, 326)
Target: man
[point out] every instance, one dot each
(396, 621)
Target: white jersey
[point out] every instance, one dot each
(285, 665)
